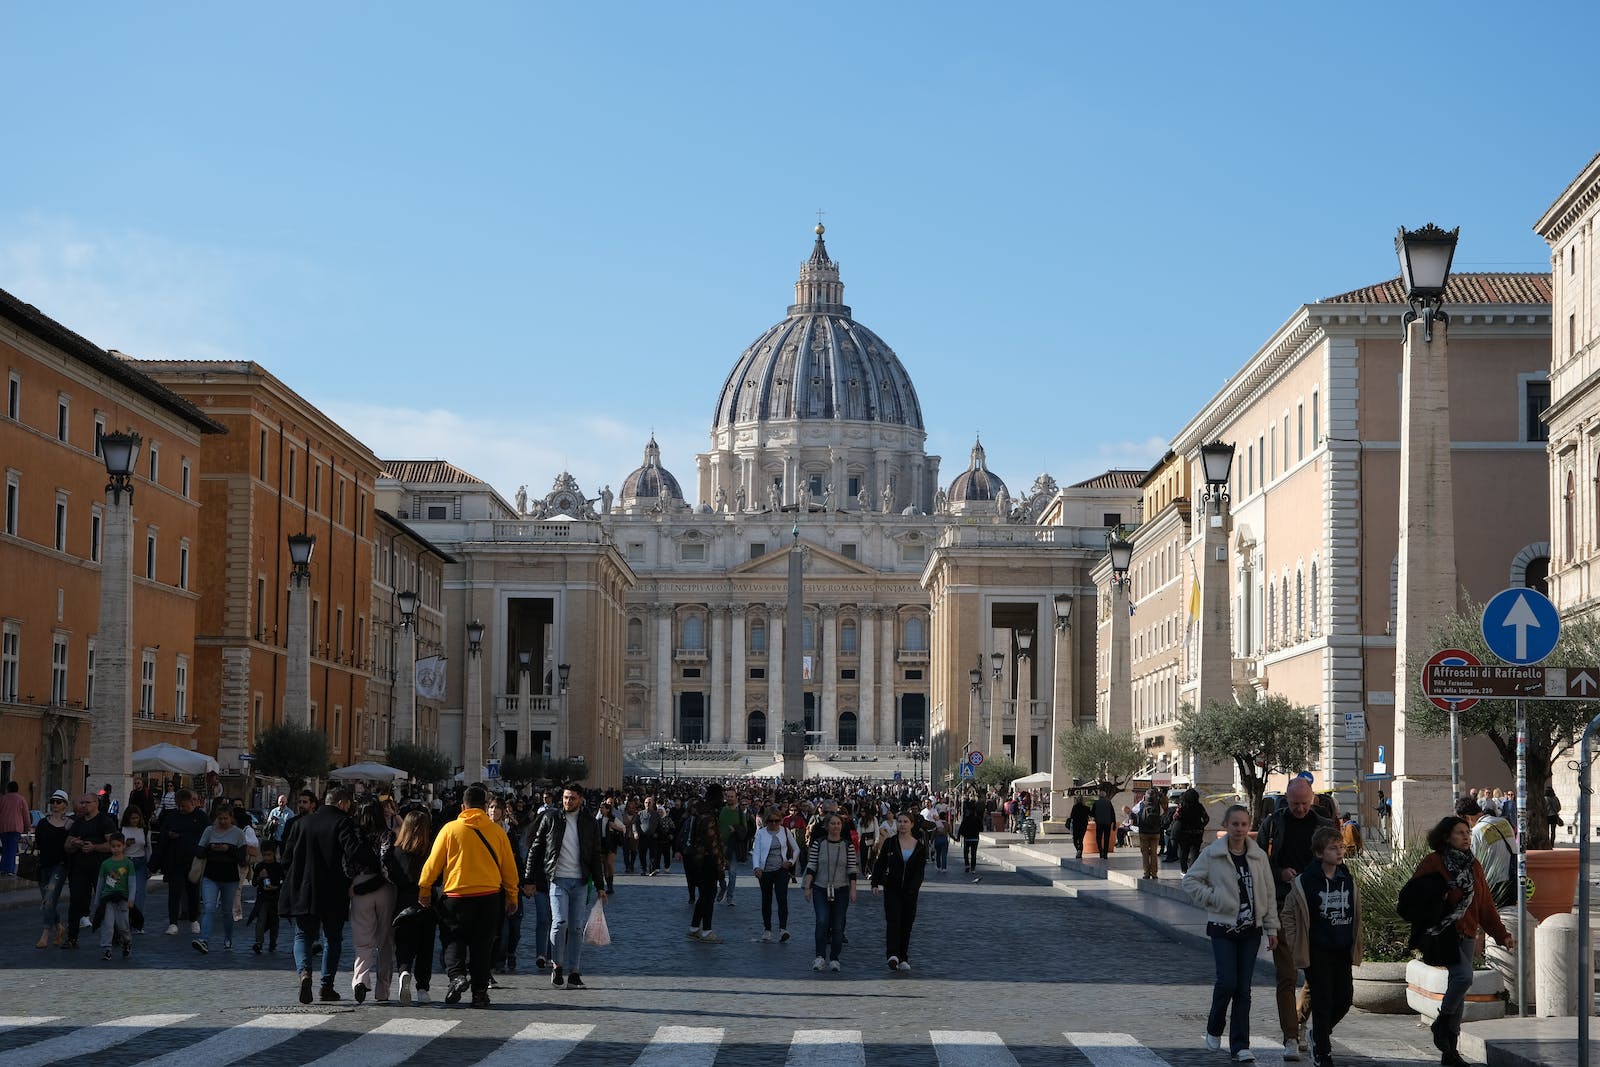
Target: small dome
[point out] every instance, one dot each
(976, 483)
(651, 483)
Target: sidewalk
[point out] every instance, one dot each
(1117, 883)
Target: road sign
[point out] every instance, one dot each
(1378, 777)
(975, 758)
(1443, 681)
(1355, 726)
(491, 770)
(247, 757)
(1453, 657)
(968, 771)
(1521, 625)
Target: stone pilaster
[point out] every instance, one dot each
(775, 671)
(297, 685)
(1024, 727)
(828, 712)
(1340, 574)
(1215, 637)
(1119, 695)
(736, 678)
(472, 726)
(888, 712)
(995, 745)
(1062, 710)
(665, 726)
(867, 677)
(717, 728)
(111, 715)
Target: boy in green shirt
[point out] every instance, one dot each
(116, 875)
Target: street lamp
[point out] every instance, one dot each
(564, 721)
(297, 685)
(408, 607)
(1063, 602)
(406, 672)
(1023, 744)
(525, 703)
(1062, 712)
(300, 548)
(111, 711)
(1425, 258)
(472, 740)
(1216, 463)
(1121, 550)
(474, 637)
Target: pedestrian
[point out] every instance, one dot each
(278, 819)
(372, 898)
(178, 843)
(222, 845)
(1322, 923)
(970, 827)
(414, 926)
(703, 862)
(565, 861)
(1286, 836)
(268, 879)
(773, 859)
(1105, 823)
(13, 824)
(1229, 879)
(136, 839)
(473, 857)
(321, 846)
(1552, 812)
(508, 938)
(1192, 819)
(1452, 880)
(737, 828)
(1152, 811)
(611, 831)
(941, 842)
(830, 888)
(89, 837)
(647, 828)
(898, 872)
(1078, 818)
(112, 885)
(50, 848)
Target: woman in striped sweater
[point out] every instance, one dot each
(830, 886)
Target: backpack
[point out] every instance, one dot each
(1149, 818)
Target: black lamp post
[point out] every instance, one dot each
(1063, 602)
(408, 608)
(120, 451)
(1121, 550)
(1425, 258)
(1216, 463)
(300, 549)
(474, 638)
(564, 673)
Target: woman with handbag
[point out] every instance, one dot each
(1448, 941)
(898, 872)
(830, 888)
(372, 898)
(414, 926)
(1232, 880)
(50, 847)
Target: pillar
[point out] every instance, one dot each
(887, 713)
(736, 678)
(717, 728)
(111, 716)
(1214, 658)
(405, 676)
(1024, 727)
(297, 683)
(1063, 711)
(867, 680)
(472, 726)
(665, 727)
(774, 672)
(828, 711)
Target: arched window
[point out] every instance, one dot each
(1568, 502)
(758, 635)
(755, 729)
(916, 634)
(1272, 617)
(1316, 601)
(808, 628)
(635, 635)
(847, 636)
(694, 632)
(847, 729)
(1299, 604)
(1284, 587)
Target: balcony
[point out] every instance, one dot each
(689, 655)
(912, 655)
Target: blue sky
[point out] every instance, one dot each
(523, 236)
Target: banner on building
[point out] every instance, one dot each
(805, 668)
(430, 678)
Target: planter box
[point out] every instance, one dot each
(1425, 989)
(1554, 875)
(1380, 987)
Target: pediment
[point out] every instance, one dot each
(820, 563)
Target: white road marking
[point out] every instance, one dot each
(18, 1022)
(537, 1045)
(394, 1042)
(1114, 1050)
(826, 1048)
(237, 1042)
(682, 1046)
(89, 1039)
(970, 1048)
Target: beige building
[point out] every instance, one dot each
(1573, 417)
(1314, 415)
(403, 561)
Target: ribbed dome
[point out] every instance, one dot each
(976, 482)
(818, 363)
(652, 481)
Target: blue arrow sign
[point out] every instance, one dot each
(1521, 626)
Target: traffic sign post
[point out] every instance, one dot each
(968, 772)
(975, 758)
(1454, 707)
(1444, 683)
(1521, 626)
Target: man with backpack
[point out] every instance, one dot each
(1152, 813)
(1286, 835)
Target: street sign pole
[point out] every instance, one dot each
(1455, 753)
(1522, 860)
(1583, 981)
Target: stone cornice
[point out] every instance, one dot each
(1570, 206)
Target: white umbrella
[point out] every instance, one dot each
(171, 758)
(368, 772)
(1037, 780)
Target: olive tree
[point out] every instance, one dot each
(1261, 734)
(1095, 756)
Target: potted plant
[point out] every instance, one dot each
(1380, 981)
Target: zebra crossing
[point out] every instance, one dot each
(539, 1044)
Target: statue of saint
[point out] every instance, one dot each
(861, 500)
(605, 500)
(827, 497)
(1002, 505)
(522, 500)
(774, 498)
(941, 502)
(803, 496)
(720, 500)
(738, 498)
(888, 499)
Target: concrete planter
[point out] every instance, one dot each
(1425, 989)
(1380, 987)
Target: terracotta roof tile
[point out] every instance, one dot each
(428, 472)
(1465, 288)
(1112, 479)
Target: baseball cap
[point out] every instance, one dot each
(60, 794)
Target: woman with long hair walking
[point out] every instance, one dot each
(414, 934)
(830, 887)
(898, 872)
(372, 908)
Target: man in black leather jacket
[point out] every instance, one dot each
(563, 858)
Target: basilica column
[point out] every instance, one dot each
(717, 729)
(736, 713)
(867, 704)
(828, 717)
(665, 727)
(888, 713)
(774, 668)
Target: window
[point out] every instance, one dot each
(61, 522)
(854, 483)
(1111, 518)
(1250, 468)
(1272, 617)
(815, 487)
(848, 550)
(635, 635)
(1316, 419)
(14, 397)
(1300, 430)
(10, 661)
(261, 606)
(1261, 457)
(338, 633)
(808, 634)
(96, 523)
(183, 564)
(361, 514)
(99, 432)
(1572, 335)
(758, 549)
(13, 502)
(758, 673)
(63, 411)
(438, 511)
(847, 636)
(316, 487)
(693, 553)
(1286, 460)
(184, 484)
(912, 553)
(690, 673)
(88, 686)
(261, 458)
(155, 465)
(180, 691)
(1316, 601)
(150, 555)
(758, 636)
(916, 634)
(338, 504)
(1535, 401)
(1272, 454)
(694, 632)
(1568, 531)
(1299, 604)
(147, 685)
(291, 475)
(636, 551)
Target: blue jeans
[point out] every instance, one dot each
(830, 920)
(541, 925)
(306, 929)
(8, 851)
(51, 881)
(1236, 965)
(568, 914)
(141, 875)
(729, 881)
(941, 852)
(1447, 1024)
(217, 896)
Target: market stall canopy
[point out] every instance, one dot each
(174, 760)
(1037, 780)
(367, 772)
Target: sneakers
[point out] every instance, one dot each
(458, 986)
(200, 946)
(194, 928)
(766, 937)
(421, 996)
(305, 987)
(480, 1000)
(1214, 1042)
(894, 963)
(172, 928)
(1304, 1040)
(127, 949)
(694, 933)
(833, 965)
(1291, 1051)
(710, 937)
(328, 993)
(541, 963)
(361, 992)
(818, 964)
(511, 965)
(729, 901)
(783, 936)
(1244, 1055)
(905, 965)
(106, 955)
(405, 989)
(228, 945)
(256, 948)
(557, 977)
(575, 981)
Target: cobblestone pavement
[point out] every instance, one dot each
(1006, 973)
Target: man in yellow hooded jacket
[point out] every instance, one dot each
(474, 858)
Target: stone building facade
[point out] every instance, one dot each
(402, 561)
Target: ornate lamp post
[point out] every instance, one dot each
(111, 712)
(1214, 655)
(1119, 694)
(524, 703)
(1062, 712)
(406, 674)
(472, 741)
(564, 677)
(997, 731)
(1024, 725)
(297, 687)
(975, 680)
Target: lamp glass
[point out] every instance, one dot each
(564, 671)
(1425, 258)
(975, 676)
(1025, 640)
(524, 657)
(408, 603)
(120, 451)
(1216, 461)
(1063, 607)
(1121, 554)
(999, 661)
(300, 547)
(474, 633)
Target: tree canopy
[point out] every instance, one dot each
(522, 771)
(997, 770)
(1262, 735)
(1095, 756)
(291, 752)
(422, 764)
(1554, 726)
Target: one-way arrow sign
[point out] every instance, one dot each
(1450, 682)
(1583, 683)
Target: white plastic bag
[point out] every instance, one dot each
(595, 931)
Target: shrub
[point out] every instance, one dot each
(1379, 880)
